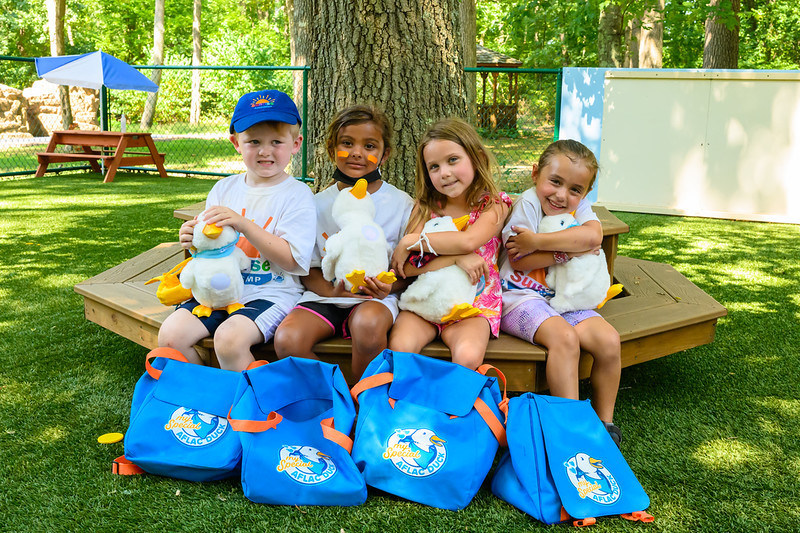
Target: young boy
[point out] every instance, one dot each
(275, 215)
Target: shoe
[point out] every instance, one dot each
(615, 432)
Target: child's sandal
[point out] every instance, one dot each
(615, 432)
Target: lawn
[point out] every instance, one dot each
(713, 433)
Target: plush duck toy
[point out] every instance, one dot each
(214, 274)
(441, 295)
(582, 282)
(359, 249)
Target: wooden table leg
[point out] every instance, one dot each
(156, 158)
(111, 171)
(43, 162)
(92, 162)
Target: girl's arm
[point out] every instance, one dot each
(471, 263)
(584, 238)
(462, 242)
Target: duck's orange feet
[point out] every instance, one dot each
(356, 279)
(201, 311)
(387, 277)
(460, 312)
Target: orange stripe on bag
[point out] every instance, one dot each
(334, 435)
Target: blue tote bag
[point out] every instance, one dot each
(427, 429)
(294, 418)
(561, 464)
(178, 425)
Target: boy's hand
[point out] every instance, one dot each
(224, 216)
(186, 233)
(521, 244)
(473, 265)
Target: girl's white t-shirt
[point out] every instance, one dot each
(287, 211)
(392, 210)
(527, 213)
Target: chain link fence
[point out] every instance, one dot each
(516, 114)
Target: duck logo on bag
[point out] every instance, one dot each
(195, 428)
(305, 464)
(592, 479)
(416, 452)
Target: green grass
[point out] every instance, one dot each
(712, 433)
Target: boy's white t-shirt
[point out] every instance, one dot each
(392, 210)
(527, 213)
(287, 211)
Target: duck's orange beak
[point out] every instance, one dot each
(359, 190)
(461, 222)
(212, 231)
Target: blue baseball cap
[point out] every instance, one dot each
(262, 106)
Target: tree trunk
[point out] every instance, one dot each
(55, 20)
(722, 35)
(609, 36)
(158, 59)
(633, 30)
(404, 56)
(468, 39)
(197, 60)
(651, 37)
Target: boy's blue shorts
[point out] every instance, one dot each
(251, 310)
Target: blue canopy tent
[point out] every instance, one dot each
(96, 70)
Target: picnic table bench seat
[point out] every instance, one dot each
(660, 312)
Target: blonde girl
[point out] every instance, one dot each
(454, 178)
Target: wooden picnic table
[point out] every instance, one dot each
(111, 147)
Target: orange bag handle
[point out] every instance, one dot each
(503, 405)
(166, 353)
(370, 382)
(334, 435)
(255, 426)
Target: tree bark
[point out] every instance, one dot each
(722, 35)
(197, 60)
(468, 40)
(405, 56)
(55, 19)
(158, 59)
(633, 30)
(651, 37)
(609, 37)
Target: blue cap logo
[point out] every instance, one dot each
(262, 106)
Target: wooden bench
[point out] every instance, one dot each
(659, 313)
(118, 143)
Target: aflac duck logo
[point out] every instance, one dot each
(592, 479)
(416, 452)
(195, 428)
(305, 464)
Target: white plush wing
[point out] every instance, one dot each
(186, 276)
(333, 249)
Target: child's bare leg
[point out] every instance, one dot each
(599, 338)
(467, 341)
(182, 330)
(299, 332)
(411, 333)
(563, 356)
(233, 340)
(369, 325)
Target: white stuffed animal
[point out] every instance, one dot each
(580, 283)
(441, 295)
(359, 249)
(214, 274)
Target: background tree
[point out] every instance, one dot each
(157, 59)
(651, 36)
(610, 52)
(197, 60)
(406, 57)
(722, 35)
(55, 17)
